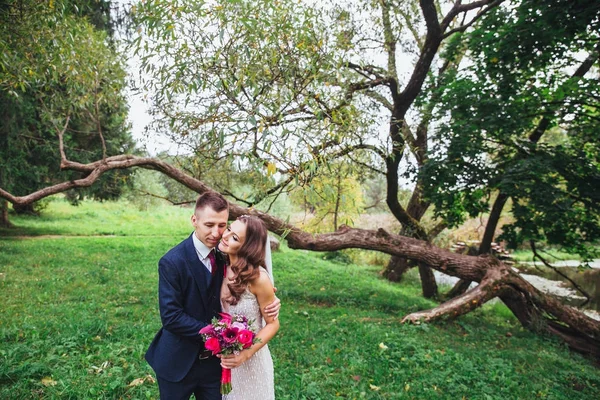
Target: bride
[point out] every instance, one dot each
(246, 290)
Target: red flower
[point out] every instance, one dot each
(245, 337)
(213, 345)
(230, 335)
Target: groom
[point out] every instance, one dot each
(189, 286)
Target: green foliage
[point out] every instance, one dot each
(520, 88)
(260, 90)
(334, 198)
(147, 189)
(79, 312)
(55, 65)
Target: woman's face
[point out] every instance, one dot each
(233, 238)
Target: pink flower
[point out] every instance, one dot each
(238, 325)
(207, 330)
(213, 345)
(225, 318)
(245, 337)
(230, 335)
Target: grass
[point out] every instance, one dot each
(78, 311)
(551, 255)
(103, 219)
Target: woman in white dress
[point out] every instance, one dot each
(246, 290)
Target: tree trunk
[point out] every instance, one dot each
(492, 223)
(428, 283)
(486, 243)
(459, 288)
(4, 221)
(397, 266)
(26, 209)
(337, 202)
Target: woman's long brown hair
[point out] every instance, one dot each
(250, 257)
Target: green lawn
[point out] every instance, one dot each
(79, 309)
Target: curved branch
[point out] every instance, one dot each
(579, 330)
(380, 99)
(364, 70)
(463, 304)
(432, 42)
(464, 27)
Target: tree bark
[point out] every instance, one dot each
(337, 201)
(4, 220)
(428, 283)
(397, 266)
(458, 289)
(492, 223)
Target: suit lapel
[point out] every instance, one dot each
(197, 269)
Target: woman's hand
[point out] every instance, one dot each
(233, 361)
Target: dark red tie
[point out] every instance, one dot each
(213, 262)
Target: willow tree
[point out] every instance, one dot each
(57, 66)
(291, 88)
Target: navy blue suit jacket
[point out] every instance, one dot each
(187, 304)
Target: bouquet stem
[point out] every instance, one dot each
(225, 381)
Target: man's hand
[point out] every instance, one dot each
(272, 310)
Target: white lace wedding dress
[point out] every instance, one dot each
(253, 380)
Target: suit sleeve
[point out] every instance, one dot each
(170, 300)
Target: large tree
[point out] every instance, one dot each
(294, 88)
(57, 67)
(519, 126)
(264, 83)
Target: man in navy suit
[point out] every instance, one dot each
(189, 285)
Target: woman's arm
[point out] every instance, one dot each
(262, 288)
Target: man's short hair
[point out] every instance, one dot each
(213, 200)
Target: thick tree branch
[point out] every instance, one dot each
(432, 42)
(478, 269)
(463, 304)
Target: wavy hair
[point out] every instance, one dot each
(250, 257)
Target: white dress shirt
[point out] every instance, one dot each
(202, 252)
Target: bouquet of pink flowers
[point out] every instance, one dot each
(229, 335)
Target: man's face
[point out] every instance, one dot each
(209, 225)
